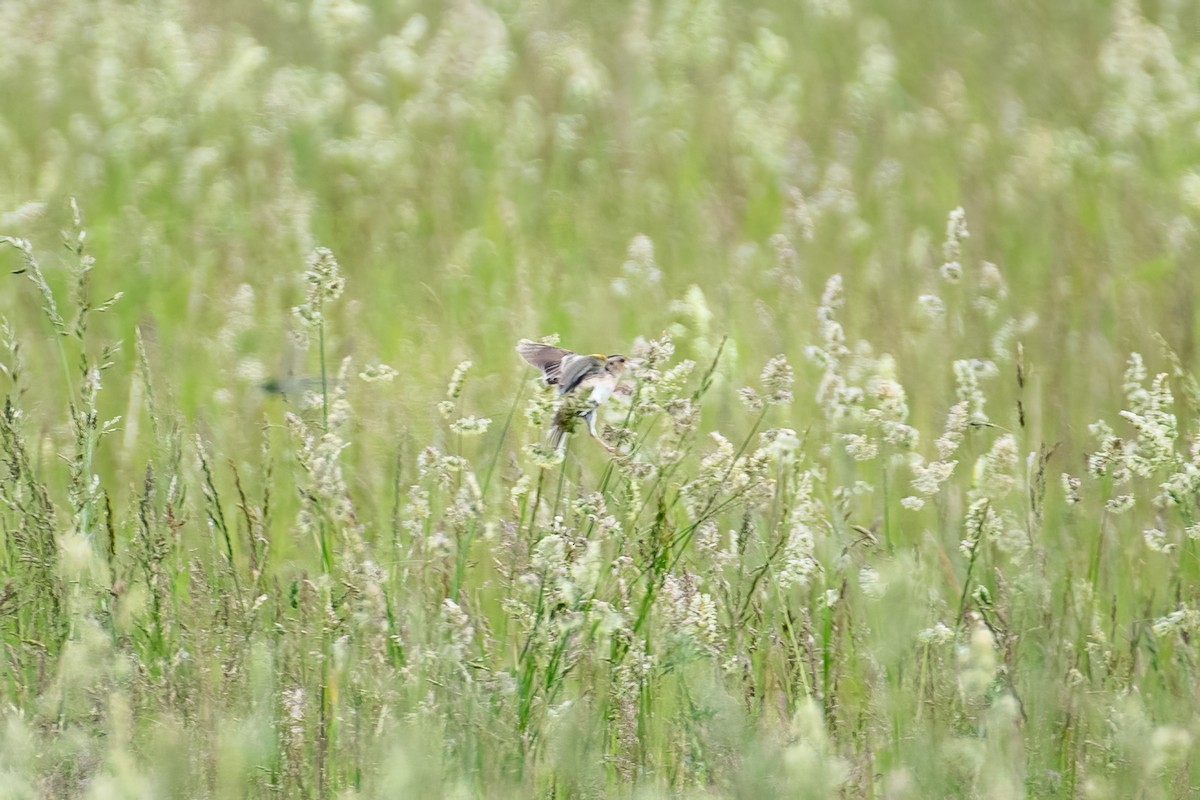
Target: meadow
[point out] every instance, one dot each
(906, 502)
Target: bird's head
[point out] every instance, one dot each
(616, 363)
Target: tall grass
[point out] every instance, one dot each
(905, 500)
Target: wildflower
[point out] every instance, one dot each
(639, 272)
(871, 582)
(956, 426)
(1183, 621)
(24, 214)
(336, 20)
(956, 231)
(591, 506)
(951, 271)
(544, 456)
(310, 400)
(550, 554)
(912, 503)
(928, 478)
(431, 463)
(320, 456)
(671, 382)
(520, 489)
(1135, 375)
(417, 506)
(982, 523)
(799, 564)
(967, 373)
(1071, 486)
(1156, 540)
(708, 537)
(932, 306)
(609, 620)
(1156, 427)
(641, 250)
(1180, 486)
(440, 545)
(1112, 452)
(640, 469)
(685, 415)
(991, 280)
(459, 628)
(457, 378)
(542, 406)
(293, 706)
(777, 380)
(1189, 190)
(240, 317)
(1120, 504)
(859, 447)
(585, 572)
(377, 372)
(428, 460)
(891, 400)
(471, 426)
(810, 759)
(751, 478)
(694, 309)
(799, 213)
(652, 354)
(1100, 430)
(750, 398)
(700, 621)
(994, 471)
(1170, 746)
(977, 663)
(781, 442)
(833, 297)
(324, 284)
(939, 634)
(1010, 539)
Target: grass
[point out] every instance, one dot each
(906, 501)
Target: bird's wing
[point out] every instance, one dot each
(575, 370)
(547, 358)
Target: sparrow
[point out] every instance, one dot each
(589, 378)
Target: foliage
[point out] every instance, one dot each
(906, 501)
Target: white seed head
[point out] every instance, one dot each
(377, 372)
(777, 381)
(457, 378)
(471, 426)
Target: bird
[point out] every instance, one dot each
(574, 374)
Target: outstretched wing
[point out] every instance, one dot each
(546, 357)
(576, 370)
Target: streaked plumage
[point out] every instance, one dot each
(573, 373)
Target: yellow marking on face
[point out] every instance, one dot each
(600, 356)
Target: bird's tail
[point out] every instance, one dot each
(565, 420)
(557, 437)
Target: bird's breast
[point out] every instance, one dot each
(602, 388)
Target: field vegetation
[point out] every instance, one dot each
(906, 498)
